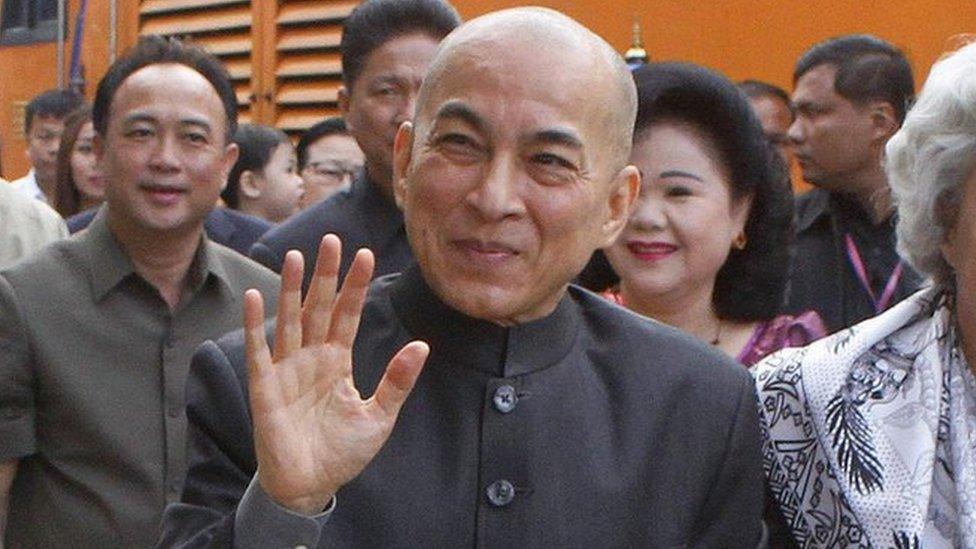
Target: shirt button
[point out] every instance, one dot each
(174, 412)
(505, 399)
(501, 493)
(170, 341)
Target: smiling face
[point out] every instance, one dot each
(383, 97)
(165, 155)
(84, 171)
(512, 181)
(680, 234)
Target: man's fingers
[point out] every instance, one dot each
(257, 355)
(288, 329)
(317, 308)
(400, 377)
(349, 303)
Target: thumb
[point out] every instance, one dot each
(400, 377)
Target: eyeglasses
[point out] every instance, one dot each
(330, 170)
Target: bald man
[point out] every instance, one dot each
(509, 408)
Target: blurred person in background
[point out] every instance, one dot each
(772, 105)
(869, 434)
(80, 186)
(850, 96)
(264, 182)
(43, 126)
(707, 249)
(328, 160)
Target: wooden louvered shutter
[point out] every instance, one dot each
(224, 27)
(283, 56)
(307, 63)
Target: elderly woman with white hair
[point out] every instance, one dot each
(870, 435)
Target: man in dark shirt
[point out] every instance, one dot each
(386, 47)
(851, 96)
(545, 416)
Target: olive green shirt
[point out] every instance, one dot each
(93, 367)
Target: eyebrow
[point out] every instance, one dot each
(559, 137)
(143, 117)
(679, 173)
(457, 109)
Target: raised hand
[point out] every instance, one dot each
(313, 432)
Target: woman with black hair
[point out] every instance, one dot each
(707, 248)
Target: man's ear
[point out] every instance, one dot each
(883, 119)
(402, 156)
(250, 185)
(231, 153)
(624, 190)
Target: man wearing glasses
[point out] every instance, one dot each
(328, 160)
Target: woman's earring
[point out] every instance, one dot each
(740, 241)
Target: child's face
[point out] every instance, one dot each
(283, 187)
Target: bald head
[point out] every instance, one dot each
(543, 45)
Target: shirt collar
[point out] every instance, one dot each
(457, 339)
(817, 206)
(108, 264)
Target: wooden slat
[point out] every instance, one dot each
(201, 22)
(293, 13)
(239, 69)
(309, 96)
(309, 66)
(155, 7)
(225, 44)
(308, 38)
(297, 120)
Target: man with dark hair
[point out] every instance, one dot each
(545, 416)
(772, 106)
(328, 159)
(851, 94)
(97, 331)
(386, 47)
(43, 125)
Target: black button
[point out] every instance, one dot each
(174, 412)
(501, 493)
(170, 341)
(505, 399)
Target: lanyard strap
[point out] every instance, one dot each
(854, 255)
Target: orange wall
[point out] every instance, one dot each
(761, 38)
(742, 38)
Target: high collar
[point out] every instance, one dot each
(108, 264)
(459, 340)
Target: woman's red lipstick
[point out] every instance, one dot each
(650, 251)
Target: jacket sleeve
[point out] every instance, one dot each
(17, 389)
(221, 449)
(263, 254)
(732, 514)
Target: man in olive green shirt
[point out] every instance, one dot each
(96, 332)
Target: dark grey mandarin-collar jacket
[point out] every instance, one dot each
(589, 428)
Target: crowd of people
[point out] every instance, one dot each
(586, 306)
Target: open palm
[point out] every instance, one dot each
(313, 431)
